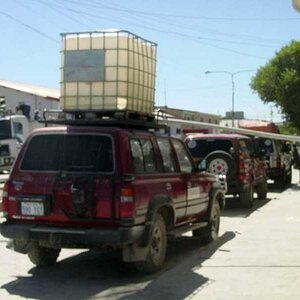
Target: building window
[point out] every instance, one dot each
(2, 104)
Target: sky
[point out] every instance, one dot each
(194, 36)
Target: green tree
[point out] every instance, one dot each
(279, 81)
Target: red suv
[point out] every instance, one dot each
(93, 186)
(235, 156)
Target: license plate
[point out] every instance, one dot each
(32, 208)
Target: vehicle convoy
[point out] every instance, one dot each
(235, 156)
(107, 186)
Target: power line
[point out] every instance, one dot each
(30, 27)
(175, 33)
(191, 16)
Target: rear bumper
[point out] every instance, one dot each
(73, 237)
(236, 187)
(274, 173)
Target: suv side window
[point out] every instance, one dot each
(183, 157)
(250, 147)
(142, 155)
(167, 155)
(244, 147)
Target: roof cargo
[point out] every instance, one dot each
(264, 126)
(108, 70)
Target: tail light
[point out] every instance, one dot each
(243, 173)
(126, 202)
(5, 198)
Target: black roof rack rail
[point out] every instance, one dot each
(125, 119)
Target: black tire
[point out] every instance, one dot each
(246, 196)
(42, 256)
(224, 158)
(262, 190)
(157, 248)
(280, 181)
(211, 232)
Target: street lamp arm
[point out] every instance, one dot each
(232, 74)
(227, 72)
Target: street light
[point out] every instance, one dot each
(232, 74)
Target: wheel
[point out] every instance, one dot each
(246, 196)
(262, 190)
(211, 232)
(221, 162)
(42, 256)
(157, 247)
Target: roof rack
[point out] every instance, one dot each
(125, 119)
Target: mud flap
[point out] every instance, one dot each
(138, 251)
(133, 253)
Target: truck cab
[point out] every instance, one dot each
(14, 129)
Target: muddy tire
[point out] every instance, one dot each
(262, 190)
(157, 248)
(211, 232)
(246, 197)
(42, 256)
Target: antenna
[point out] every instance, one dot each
(165, 88)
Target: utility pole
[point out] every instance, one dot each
(232, 87)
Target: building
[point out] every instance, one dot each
(178, 129)
(38, 98)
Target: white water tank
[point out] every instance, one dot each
(107, 71)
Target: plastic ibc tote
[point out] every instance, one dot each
(108, 70)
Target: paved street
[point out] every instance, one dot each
(256, 257)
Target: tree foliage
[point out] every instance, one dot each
(279, 81)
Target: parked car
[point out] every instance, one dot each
(235, 156)
(93, 186)
(279, 160)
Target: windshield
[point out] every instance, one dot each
(5, 130)
(201, 148)
(60, 152)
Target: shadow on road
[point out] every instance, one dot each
(94, 275)
(234, 209)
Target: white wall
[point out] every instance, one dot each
(13, 98)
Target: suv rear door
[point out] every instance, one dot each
(72, 170)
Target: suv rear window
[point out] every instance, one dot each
(265, 144)
(71, 152)
(201, 148)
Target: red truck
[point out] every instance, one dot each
(86, 185)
